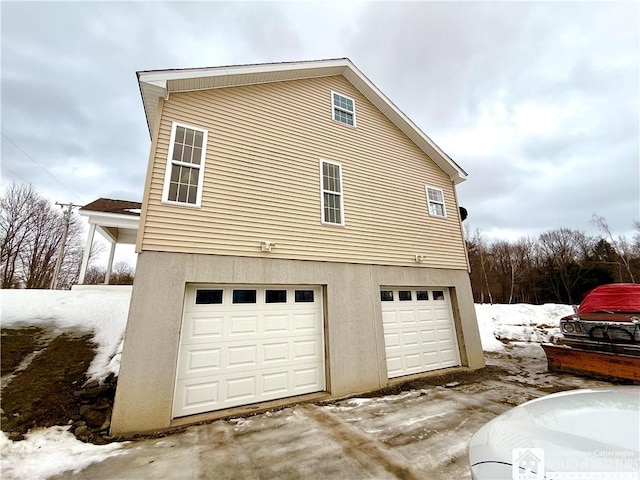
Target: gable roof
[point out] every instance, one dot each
(121, 207)
(160, 83)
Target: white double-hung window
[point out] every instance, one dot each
(344, 109)
(185, 165)
(435, 199)
(331, 193)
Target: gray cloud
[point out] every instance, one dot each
(537, 101)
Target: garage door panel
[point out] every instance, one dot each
(243, 356)
(424, 315)
(305, 323)
(275, 352)
(407, 316)
(390, 318)
(447, 355)
(204, 359)
(410, 339)
(431, 359)
(394, 366)
(428, 336)
(244, 325)
(445, 335)
(276, 383)
(306, 349)
(391, 340)
(413, 360)
(200, 361)
(242, 388)
(419, 332)
(238, 354)
(204, 328)
(306, 378)
(196, 397)
(276, 324)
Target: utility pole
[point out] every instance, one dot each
(66, 216)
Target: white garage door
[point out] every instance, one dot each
(419, 332)
(246, 344)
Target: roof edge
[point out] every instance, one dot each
(155, 83)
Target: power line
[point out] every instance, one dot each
(14, 173)
(39, 165)
(27, 182)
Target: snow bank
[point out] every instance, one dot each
(502, 324)
(100, 312)
(48, 452)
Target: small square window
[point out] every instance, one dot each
(344, 110)
(422, 295)
(207, 297)
(244, 296)
(404, 295)
(303, 296)
(275, 296)
(438, 295)
(386, 295)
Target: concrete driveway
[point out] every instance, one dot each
(419, 431)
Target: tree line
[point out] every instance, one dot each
(30, 235)
(559, 266)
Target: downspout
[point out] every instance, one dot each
(464, 243)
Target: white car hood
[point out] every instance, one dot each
(594, 430)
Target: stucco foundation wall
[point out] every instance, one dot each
(355, 350)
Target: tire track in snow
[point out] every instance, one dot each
(368, 452)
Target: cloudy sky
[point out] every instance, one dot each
(538, 102)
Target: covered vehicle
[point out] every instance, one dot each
(608, 319)
(580, 434)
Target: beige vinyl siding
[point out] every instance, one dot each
(262, 180)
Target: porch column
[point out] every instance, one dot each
(87, 253)
(112, 250)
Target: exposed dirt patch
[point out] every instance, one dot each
(17, 345)
(40, 392)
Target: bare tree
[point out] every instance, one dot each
(513, 260)
(121, 274)
(564, 250)
(480, 264)
(30, 235)
(624, 248)
(16, 211)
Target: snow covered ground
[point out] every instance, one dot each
(101, 312)
(45, 453)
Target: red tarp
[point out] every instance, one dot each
(616, 297)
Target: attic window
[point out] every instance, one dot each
(435, 199)
(185, 165)
(344, 109)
